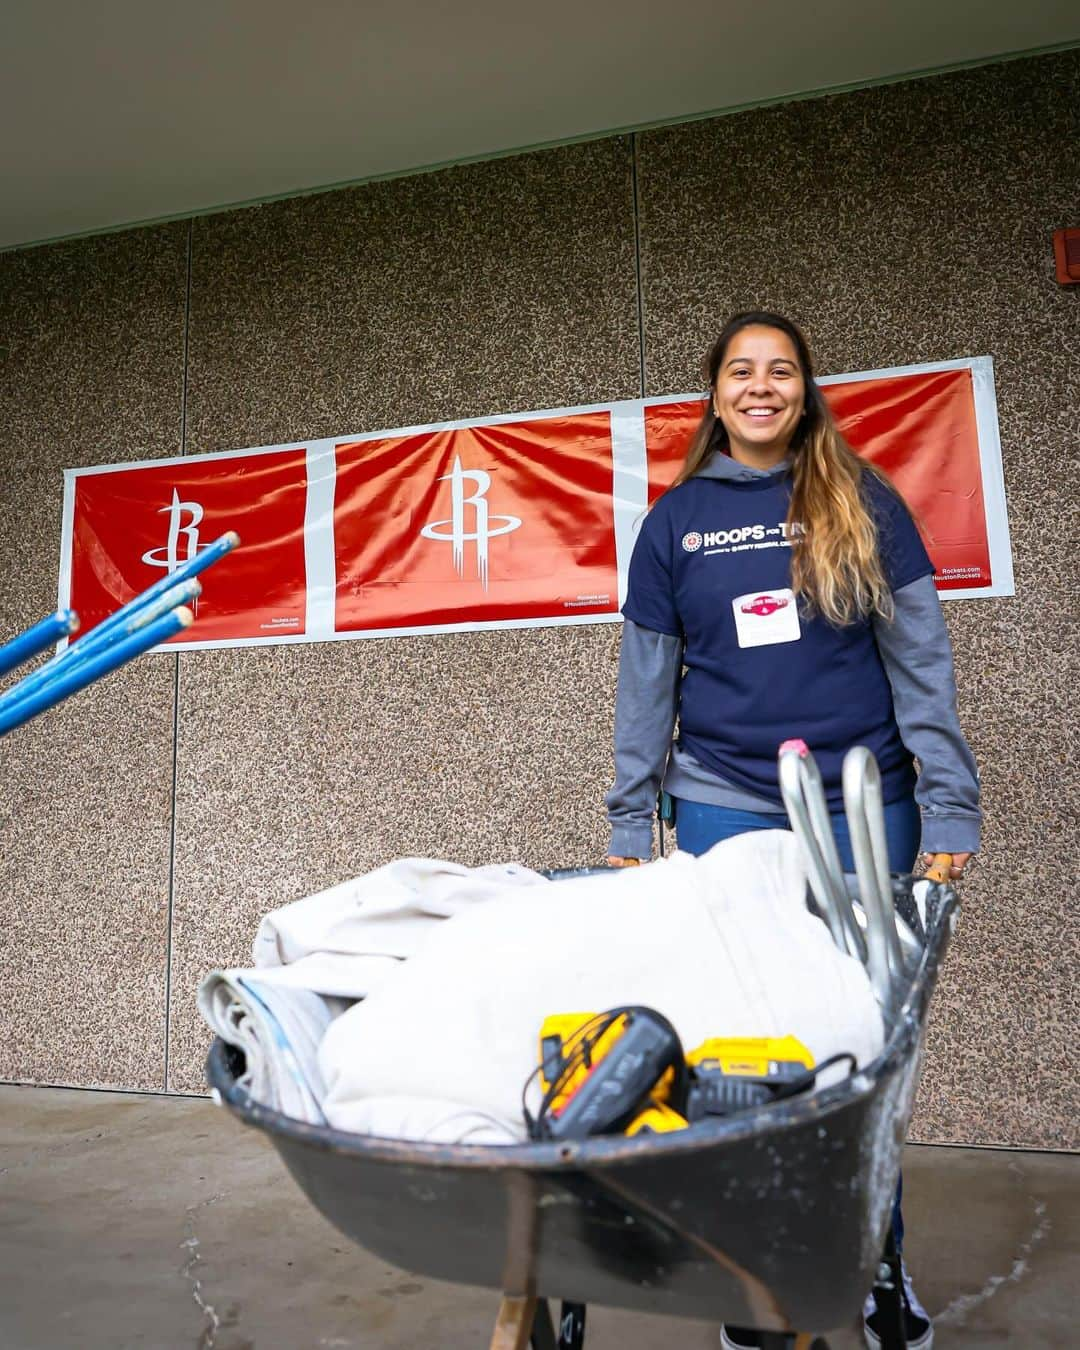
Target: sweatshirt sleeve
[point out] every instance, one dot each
(650, 596)
(917, 656)
(650, 665)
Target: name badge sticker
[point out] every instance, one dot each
(766, 617)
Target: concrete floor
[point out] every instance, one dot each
(160, 1222)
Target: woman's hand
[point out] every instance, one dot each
(959, 862)
(612, 861)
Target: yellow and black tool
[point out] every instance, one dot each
(624, 1071)
(656, 1118)
(617, 1072)
(730, 1073)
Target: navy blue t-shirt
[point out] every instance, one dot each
(712, 565)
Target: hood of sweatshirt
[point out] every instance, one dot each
(721, 465)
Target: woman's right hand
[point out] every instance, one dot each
(955, 862)
(612, 861)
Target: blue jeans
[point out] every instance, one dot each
(698, 826)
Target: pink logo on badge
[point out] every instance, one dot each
(764, 604)
(692, 541)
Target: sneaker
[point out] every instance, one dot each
(738, 1338)
(918, 1328)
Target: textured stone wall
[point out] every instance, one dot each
(91, 372)
(146, 825)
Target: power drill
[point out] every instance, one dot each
(609, 1073)
(624, 1071)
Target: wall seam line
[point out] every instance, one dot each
(176, 684)
(637, 261)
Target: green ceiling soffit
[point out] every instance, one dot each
(553, 145)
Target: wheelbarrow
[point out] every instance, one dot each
(776, 1218)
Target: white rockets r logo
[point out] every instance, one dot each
(458, 536)
(169, 556)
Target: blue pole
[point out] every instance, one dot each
(59, 625)
(102, 663)
(201, 561)
(106, 634)
(139, 615)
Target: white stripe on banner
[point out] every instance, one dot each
(630, 482)
(993, 483)
(319, 541)
(67, 530)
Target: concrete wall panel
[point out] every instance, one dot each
(91, 372)
(485, 289)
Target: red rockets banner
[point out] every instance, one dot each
(504, 522)
(514, 521)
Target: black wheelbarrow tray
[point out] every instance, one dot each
(774, 1218)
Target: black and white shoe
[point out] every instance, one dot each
(918, 1328)
(739, 1338)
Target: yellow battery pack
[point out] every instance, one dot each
(727, 1073)
(752, 1056)
(657, 1118)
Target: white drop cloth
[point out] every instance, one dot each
(317, 955)
(347, 939)
(723, 945)
(279, 1029)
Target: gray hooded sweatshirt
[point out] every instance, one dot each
(917, 657)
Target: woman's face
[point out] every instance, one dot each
(759, 395)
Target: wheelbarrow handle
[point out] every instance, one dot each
(864, 808)
(808, 811)
(940, 868)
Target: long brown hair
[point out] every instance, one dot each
(836, 566)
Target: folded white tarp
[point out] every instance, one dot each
(316, 956)
(723, 945)
(279, 1029)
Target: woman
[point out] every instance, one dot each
(780, 589)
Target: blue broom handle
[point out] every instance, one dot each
(201, 561)
(97, 640)
(107, 632)
(59, 625)
(77, 677)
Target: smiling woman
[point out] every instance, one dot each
(758, 394)
(779, 589)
